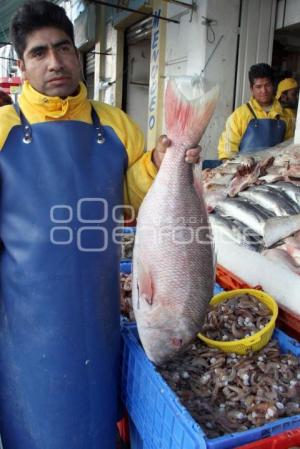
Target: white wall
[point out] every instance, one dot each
(138, 83)
(108, 94)
(288, 13)
(222, 67)
(256, 41)
(187, 50)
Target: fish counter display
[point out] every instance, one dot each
(254, 205)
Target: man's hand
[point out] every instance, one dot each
(192, 155)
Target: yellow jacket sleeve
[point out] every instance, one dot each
(139, 178)
(141, 170)
(290, 120)
(232, 135)
(8, 119)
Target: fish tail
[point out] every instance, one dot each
(186, 120)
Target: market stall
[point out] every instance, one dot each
(158, 415)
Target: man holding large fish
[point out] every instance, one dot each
(64, 162)
(261, 123)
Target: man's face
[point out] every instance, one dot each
(50, 62)
(290, 98)
(263, 91)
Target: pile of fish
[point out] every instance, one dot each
(127, 244)
(228, 393)
(254, 200)
(236, 318)
(126, 301)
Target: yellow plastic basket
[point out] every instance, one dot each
(254, 342)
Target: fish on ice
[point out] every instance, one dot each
(234, 231)
(275, 201)
(250, 214)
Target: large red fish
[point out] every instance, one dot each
(173, 274)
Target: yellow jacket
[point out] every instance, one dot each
(238, 121)
(293, 112)
(40, 108)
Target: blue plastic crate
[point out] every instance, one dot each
(159, 421)
(126, 267)
(211, 163)
(129, 229)
(136, 441)
(218, 289)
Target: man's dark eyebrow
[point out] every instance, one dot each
(38, 48)
(62, 42)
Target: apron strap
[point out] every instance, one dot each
(27, 138)
(28, 131)
(254, 115)
(251, 110)
(98, 126)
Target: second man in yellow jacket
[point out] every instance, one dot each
(260, 123)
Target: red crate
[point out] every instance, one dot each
(288, 321)
(123, 428)
(230, 281)
(284, 440)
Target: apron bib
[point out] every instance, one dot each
(262, 133)
(59, 286)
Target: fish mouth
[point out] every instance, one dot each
(161, 344)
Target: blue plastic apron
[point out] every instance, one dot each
(262, 133)
(59, 286)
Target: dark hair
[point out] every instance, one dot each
(261, 70)
(32, 16)
(4, 98)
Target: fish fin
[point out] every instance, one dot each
(197, 173)
(186, 120)
(145, 285)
